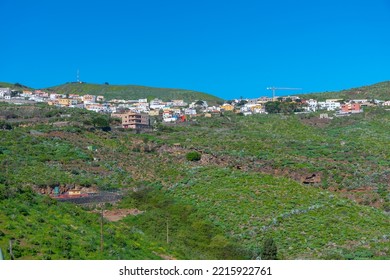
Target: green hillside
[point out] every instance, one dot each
(41, 228)
(133, 92)
(379, 91)
(305, 222)
(15, 86)
(251, 183)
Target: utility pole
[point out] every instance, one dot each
(101, 231)
(10, 249)
(279, 88)
(167, 233)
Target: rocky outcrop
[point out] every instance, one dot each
(314, 178)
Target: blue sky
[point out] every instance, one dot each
(226, 48)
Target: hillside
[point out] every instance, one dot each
(133, 92)
(306, 222)
(320, 189)
(379, 91)
(15, 86)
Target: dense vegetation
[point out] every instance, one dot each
(379, 91)
(41, 228)
(253, 183)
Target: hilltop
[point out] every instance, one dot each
(133, 92)
(379, 91)
(127, 92)
(15, 86)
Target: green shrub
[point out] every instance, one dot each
(270, 250)
(193, 156)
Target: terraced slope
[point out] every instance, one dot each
(250, 183)
(305, 222)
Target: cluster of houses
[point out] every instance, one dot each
(137, 113)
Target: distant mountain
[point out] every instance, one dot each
(379, 91)
(133, 92)
(15, 86)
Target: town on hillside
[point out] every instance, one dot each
(136, 113)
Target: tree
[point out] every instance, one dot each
(100, 121)
(199, 102)
(19, 85)
(242, 102)
(270, 250)
(288, 107)
(272, 107)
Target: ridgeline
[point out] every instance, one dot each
(379, 91)
(130, 92)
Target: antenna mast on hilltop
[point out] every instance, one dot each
(78, 76)
(278, 88)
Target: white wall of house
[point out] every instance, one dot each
(329, 105)
(4, 92)
(189, 111)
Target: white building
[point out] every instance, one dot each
(245, 108)
(360, 101)
(179, 103)
(189, 111)
(157, 104)
(329, 105)
(54, 96)
(5, 92)
(312, 105)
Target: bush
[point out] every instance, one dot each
(100, 121)
(193, 156)
(270, 250)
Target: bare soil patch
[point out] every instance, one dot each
(118, 214)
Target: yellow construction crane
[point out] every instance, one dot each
(279, 88)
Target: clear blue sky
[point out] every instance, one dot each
(226, 48)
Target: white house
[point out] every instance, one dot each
(157, 104)
(142, 106)
(169, 120)
(4, 92)
(386, 103)
(179, 103)
(189, 111)
(329, 105)
(245, 108)
(312, 105)
(359, 101)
